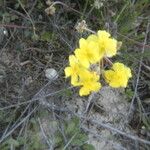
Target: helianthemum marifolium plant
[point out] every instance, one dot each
(86, 65)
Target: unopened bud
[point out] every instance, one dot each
(48, 2)
(50, 10)
(81, 26)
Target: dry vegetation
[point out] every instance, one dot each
(37, 113)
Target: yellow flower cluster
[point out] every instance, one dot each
(92, 51)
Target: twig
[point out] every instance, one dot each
(28, 16)
(19, 118)
(14, 26)
(25, 62)
(44, 135)
(35, 98)
(117, 146)
(63, 4)
(33, 6)
(90, 99)
(109, 127)
(139, 70)
(122, 10)
(89, 30)
(8, 41)
(69, 141)
(18, 13)
(136, 42)
(23, 120)
(52, 106)
(108, 60)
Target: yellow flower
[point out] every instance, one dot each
(88, 53)
(89, 83)
(118, 76)
(73, 70)
(95, 39)
(107, 45)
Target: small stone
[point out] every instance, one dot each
(28, 81)
(51, 74)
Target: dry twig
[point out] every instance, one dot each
(139, 70)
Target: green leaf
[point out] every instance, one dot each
(70, 127)
(146, 121)
(80, 139)
(13, 142)
(58, 140)
(66, 93)
(88, 147)
(76, 120)
(46, 36)
(129, 93)
(14, 17)
(40, 5)
(35, 37)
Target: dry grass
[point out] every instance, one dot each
(31, 41)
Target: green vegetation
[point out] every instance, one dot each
(32, 40)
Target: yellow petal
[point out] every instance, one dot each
(118, 77)
(74, 80)
(84, 91)
(96, 86)
(118, 66)
(80, 54)
(103, 34)
(92, 37)
(72, 60)
(128, 71)
(108, 75)
(82, 43)
(111, 47)
(93, 52)
(67, 71)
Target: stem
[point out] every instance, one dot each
(89, 30)
(63, 4)
(14, 26)
(108, 60)
(28, 16)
